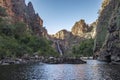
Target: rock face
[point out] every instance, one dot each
(109, 47)
(79, 32)
(102, 25)
(63, 34)
(79, 28)
(82, 29)
(19, 11)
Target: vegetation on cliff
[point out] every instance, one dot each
(16, 40)
(2, 11)
(102, 25)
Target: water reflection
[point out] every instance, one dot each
(93, 70)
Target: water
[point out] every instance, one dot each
(93, 70)
(60, 51)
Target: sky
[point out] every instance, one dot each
(62, 14)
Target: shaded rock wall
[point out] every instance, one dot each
(102, 24)
(110, 49)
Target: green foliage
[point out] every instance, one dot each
(20, 28)
(2, 11)
(42, 46)
(6, 29)
(15, 41)
(85, 48)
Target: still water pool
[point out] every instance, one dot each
(93, 70)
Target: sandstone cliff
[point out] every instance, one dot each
(18, 11)
(107, 44)
(84, 30)
(79, 28)
(63, 34)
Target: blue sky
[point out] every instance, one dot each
(62, 14)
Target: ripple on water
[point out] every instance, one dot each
(93, 70)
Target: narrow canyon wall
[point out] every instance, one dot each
(107, 44)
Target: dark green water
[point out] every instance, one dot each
(93, 70)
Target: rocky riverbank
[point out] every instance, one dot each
(11, 61)
(64, 61)
(48, 60)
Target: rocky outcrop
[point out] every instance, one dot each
(19, 11)
(64, 61)
(63, 34)
(79, 28)
(92, 29)
(84, 30)
(110, 46)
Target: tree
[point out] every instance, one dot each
(85, 48)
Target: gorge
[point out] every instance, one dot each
(104, 31)
(28, 52)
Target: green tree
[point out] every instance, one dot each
(85, 48)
